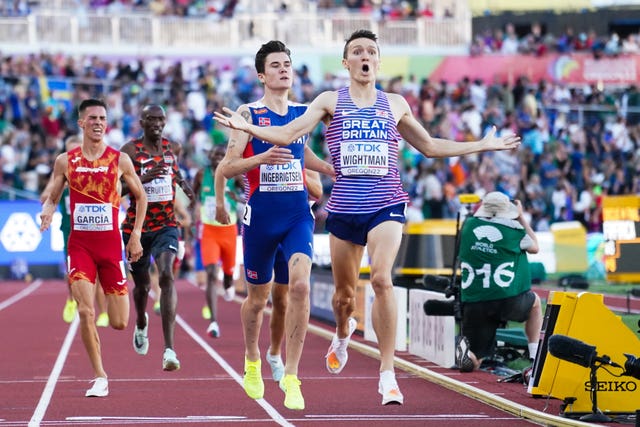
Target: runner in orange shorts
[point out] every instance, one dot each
(218, 199)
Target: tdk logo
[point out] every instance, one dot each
(366, 148)
(93, 209)
(294, 166)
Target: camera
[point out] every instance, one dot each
(632, 366)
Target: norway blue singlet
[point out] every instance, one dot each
(277, 210)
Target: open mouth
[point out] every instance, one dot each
(365, 68)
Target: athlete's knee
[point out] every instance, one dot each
(344, 297)
(212, 270)
(279, 302)
(227, 280)
(141, 286)
(86, 313)
(381, 282)
(256, 302)
(165, 273)
(299, 289)
(118, 324)
(537, 305)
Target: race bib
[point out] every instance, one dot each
(210, 207)
(364, 158)
(246, 215)
(160, 189)
(282, 178)
(93, 217)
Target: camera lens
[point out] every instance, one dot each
(632, 366)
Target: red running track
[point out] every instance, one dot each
(44, 372)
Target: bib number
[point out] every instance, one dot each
(364, 158)
(93, 217)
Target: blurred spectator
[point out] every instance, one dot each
(510, 43)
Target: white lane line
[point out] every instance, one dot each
(23, 293)
(45, 398)
(189, 418)
(273, 413)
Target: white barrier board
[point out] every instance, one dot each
(431, 337)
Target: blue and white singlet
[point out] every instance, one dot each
(363, 143)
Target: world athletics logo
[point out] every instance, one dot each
(562, 67)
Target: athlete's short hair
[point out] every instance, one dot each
(359, 34)
(91, 102)
(270, 47)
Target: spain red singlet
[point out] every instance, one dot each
(160, 192)
(95, 244)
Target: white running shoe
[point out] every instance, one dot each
(100, 388)
(388, 388)
(213, 330)
(337, 355)
(277, 367)
(170, 361)
(229, 294)
(140, 339)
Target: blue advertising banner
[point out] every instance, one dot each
(20, 237)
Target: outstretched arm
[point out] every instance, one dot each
(418, 137)
(281, 135)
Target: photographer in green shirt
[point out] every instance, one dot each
(495, 279)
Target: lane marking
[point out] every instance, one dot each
(273, 413)
(45, 398)
(23, 293)
(520, 411)
(188, 418)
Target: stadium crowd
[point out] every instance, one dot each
(568, 159)
(537, 42)
(390, 9)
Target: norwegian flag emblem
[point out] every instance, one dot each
(252, 274)
(264, 121)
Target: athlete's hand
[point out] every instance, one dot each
(134, 248)
(222, 215)
(46, 216)
(276, 156)
(232, 120)
(153, 173)
(507, 142)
